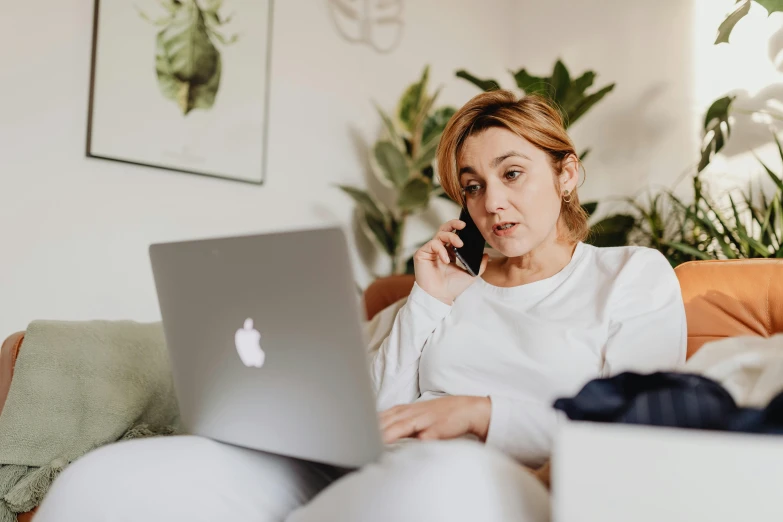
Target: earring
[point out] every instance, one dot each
(566, 196)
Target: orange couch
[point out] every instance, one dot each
(722, 299)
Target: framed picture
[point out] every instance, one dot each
(182, 85)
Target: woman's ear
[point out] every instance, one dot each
(569, 175)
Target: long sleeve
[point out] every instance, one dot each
(648, 330)
(647, 333)
(523, 428)
(395, 363)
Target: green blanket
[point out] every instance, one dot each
(78, 386)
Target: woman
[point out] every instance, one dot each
(471, 365)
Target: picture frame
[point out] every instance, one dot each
(182, 85)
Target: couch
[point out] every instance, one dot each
(723, 298)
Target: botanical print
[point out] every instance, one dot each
(187, 62)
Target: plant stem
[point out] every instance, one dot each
(398, 263)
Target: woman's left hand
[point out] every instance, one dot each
(442, 418)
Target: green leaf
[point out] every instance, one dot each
(426, 155)
(380, 233)
(576, 92)
(484, 85)
(739, 12)
(687, 249)
(772, 175)
(415, 195)
(754, 247)
(392, 162)
(588, 102)
(590, 207)
(531, 84)
(388, 125)
(581, 84)
(561, 82)
(612, 231)
(186, 62)
(413, 100)
(435, 123)
(369, 204)
(772, 6)
(717, 116)
(584, 154)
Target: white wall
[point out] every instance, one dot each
(74, 232)
(645, 130)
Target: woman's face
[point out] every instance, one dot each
(510, 190)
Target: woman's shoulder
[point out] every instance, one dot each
(636, 271)
(628, 258)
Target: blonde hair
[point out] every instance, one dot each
(533, 118)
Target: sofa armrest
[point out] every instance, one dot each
(8, 354)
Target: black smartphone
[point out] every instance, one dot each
(471, 253)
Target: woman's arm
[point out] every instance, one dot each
(394, 359)
(647, 330)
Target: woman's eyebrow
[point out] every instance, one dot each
(495, 162)
(500, 159)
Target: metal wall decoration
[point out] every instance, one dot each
(376, 23)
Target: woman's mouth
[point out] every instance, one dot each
(504, 229)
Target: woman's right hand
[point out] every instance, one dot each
(436, 270)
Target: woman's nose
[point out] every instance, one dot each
(495, 198)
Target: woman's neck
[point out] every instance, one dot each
(542, 262)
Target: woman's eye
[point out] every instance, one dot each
(472, 190)
(513, 174)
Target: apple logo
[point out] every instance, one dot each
(248, 343)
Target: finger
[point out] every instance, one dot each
(428, 434)
(450, 238)
(484, 261)
(453, 224)
(395, 414)
(401, 429)
(437, 247)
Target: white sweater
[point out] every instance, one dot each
(609, 310)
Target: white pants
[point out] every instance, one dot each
(195, 479)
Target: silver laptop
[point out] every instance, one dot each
(266, 344)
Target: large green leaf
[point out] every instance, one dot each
(415, 195)
(187, 63)
(484, 85)
(716, 119)
(576, 92)
(531, 84)
(378, 230)
(612, 231)
(561, 82)
(412, 101)
(392, 162)
(426, 155)
(771, 6)
(369, 204)
(586, 103)
(590, 207)
(738, 13)
(435, 123)
(388, 125)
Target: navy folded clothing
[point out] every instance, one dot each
(669, 399)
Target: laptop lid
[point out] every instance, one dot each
(266, 345)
